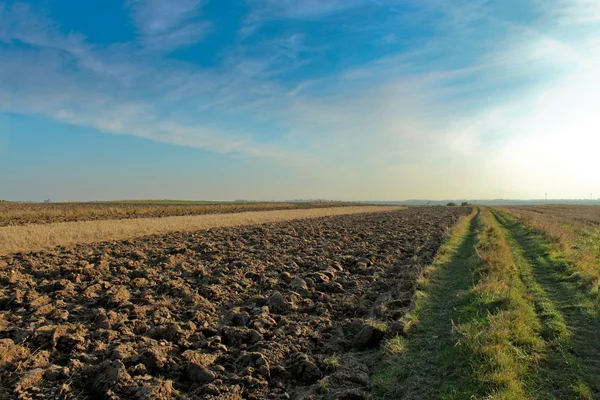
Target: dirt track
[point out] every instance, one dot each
(228, 313)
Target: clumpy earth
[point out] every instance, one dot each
(13, 214)
(266, 312)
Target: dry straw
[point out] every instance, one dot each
(45, 236)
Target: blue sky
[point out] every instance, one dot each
(282, 99)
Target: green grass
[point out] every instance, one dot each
(332, 362)
(575, 239)
(483, 327)
(500, 339)
(569, 314)
(499, 315)
(427, 361)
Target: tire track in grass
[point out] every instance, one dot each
(425, 364)
(569, 316)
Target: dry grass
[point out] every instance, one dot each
(496, 318)
(474, 333)
(44, 236)
(28, 213)
(502, 337)
(588, 215)
(574, 232)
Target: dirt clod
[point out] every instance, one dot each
(369, 336)
(227, 313)
(199, 373)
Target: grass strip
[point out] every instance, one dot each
(570, 236)
(418, 364)
(474, 333)
(568, 312)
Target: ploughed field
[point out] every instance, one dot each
(270, 311)
(12, 214)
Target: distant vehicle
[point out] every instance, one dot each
(451, 204)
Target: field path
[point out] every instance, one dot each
(569, 316)
(45, 236)
(424, 364)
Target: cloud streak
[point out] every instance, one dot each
(301, 9)
(263, 11)
(422, 110)
(168, 25)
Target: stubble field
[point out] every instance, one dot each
(17, 213)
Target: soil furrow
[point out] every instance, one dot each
(16, 214)
(46, 236)
(269, 311)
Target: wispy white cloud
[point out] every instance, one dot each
(167, 25)
(269, 10)
(72, 100)
(301, 9)
(405, 114)
(111, 87)
(573, 11)
(538, 138)
(371, 114)
(527, 100)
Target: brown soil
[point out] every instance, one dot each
(38, 237)
(12, 214)
(256, 312)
